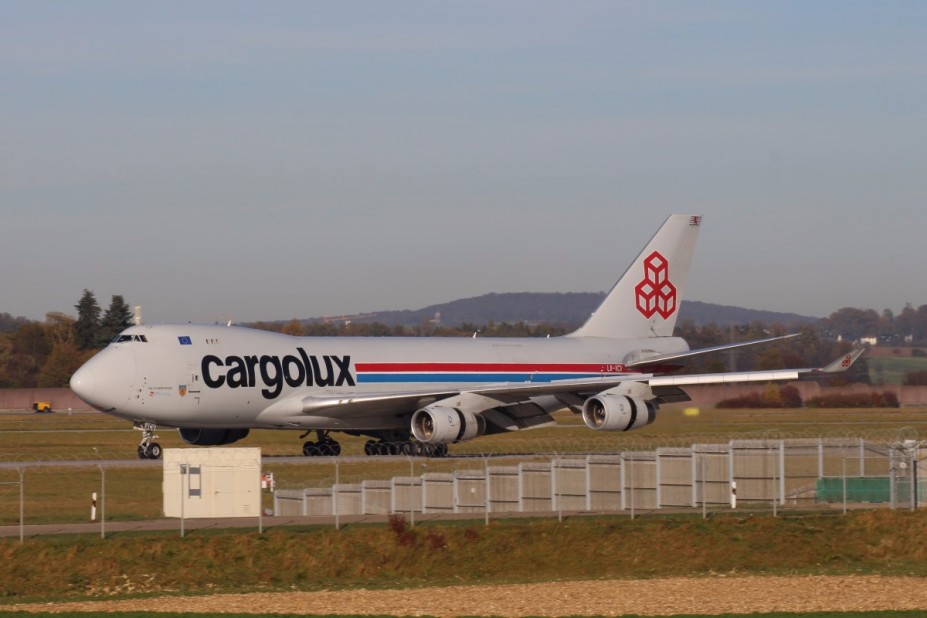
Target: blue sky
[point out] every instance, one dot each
(245, 161)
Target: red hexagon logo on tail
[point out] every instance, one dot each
(655, 293)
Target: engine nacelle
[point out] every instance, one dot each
(442, 425)
(212, 437)
(613, 412)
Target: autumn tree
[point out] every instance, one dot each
(61, 363)
(29, 349)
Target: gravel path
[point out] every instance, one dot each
(653, 597)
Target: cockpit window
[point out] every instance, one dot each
(123, 338)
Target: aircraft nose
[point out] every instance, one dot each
(82, 382)
(106, 379)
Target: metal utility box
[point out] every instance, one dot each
(212, 482)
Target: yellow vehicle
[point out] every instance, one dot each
(42, 407)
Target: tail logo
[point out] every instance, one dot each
(655, 293)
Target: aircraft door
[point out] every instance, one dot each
(189, 383)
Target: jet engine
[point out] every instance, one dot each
(610, 411)
(441, 425)
(212, 437)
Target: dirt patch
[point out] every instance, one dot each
(653, 597)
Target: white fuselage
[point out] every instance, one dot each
(217, 376)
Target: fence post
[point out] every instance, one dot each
(486, 483)
(102, 501)
(844, 484)
(335, 494)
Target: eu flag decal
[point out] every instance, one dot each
(185, 341)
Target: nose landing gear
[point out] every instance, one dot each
(148, 448)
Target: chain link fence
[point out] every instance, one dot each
(761, 471)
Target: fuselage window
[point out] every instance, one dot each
(124, 338)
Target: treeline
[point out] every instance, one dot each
(909, 326)
(302, 328)
(45, 354)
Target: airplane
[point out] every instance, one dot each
(417, 395)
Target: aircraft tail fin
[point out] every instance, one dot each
(645, 301)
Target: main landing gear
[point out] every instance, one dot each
(405, 447)
(148, 449)
(388, 444)
(325, 447)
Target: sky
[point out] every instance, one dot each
(220, 160)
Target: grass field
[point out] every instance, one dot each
(91, 436)
(893, 369)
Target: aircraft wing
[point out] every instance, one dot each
(508, 406)
(664, 359)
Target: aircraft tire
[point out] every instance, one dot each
(310, 449)
(142, 454)
(154, 451)
(370, 448)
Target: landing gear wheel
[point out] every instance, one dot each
(153, 451)
(148, 448)
(370, 448)
(325, 447)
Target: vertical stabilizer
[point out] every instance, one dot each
(645, 301)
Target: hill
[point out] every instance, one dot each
(566, 308)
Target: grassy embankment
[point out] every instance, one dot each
(872, 542)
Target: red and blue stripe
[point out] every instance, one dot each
(371, 373)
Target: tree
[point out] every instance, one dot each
(60, 365)
(887, 325)
(852, 323)
(293, 327)
(116, 319)
(29, 350)
(87, 326)
(906, 322)
(59, 328)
